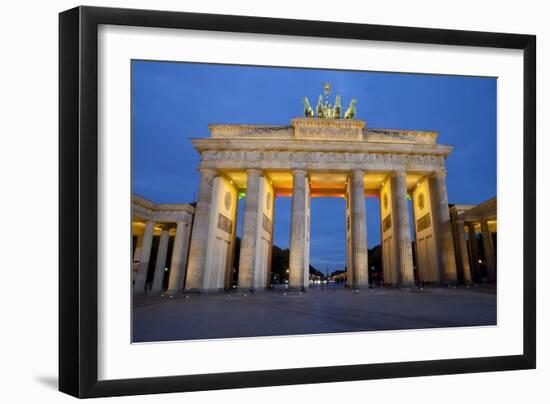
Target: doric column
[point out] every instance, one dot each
(446, 247)
(463, 251)
(489, 251)
(137, 251)
(179, 256)
(161, 261)
(199, 237)
(247, 256)
(402, 228)
(472, 240)
(298, 274)
(360, 267)
(145, 253)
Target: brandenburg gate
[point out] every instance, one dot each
(320, 155)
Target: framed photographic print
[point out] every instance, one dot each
(251, 201)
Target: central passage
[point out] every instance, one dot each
(327, 240)
(328, 235)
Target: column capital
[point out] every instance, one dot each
(300, 171)
(210, 171)
(398, 173)
(254, 171)
(440, 173)
(358, 172)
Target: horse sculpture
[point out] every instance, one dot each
(320, 108)
(337, 110)
(351, 111)
(308, 111)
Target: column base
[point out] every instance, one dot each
(196, 291)
(250, 290)
(407, 285)
(449, 284)
(391, 285)
(245, 290)
(173, 292)
(192, 291)
(212, 291)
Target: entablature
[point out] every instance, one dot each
(321, 161)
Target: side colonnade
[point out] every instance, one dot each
(171, 225)
(476, 256)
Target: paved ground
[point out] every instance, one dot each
(316, 311)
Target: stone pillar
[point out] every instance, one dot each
(179, 257)
(472, 240)
(199, 238)
(402, 228)
(489, 251)
(298, 274)
(137, 251)
(445, 242)
(135, 258)
(463, 251)
(145, 253)
(161, 262)
(359, 252)
(247, 258)
(228, 282)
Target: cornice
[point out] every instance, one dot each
(162, 207)
(262, 144)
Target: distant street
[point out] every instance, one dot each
(316, 311)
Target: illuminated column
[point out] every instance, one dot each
(463, 251)
(199, 237)
(402, 228)
(446, 246)
(298, 273)
(179, 256)
(145, 253)
(358, 226)
(137, 251)
(251, 216)
(472, 240)
(161, 261)
(489, 251)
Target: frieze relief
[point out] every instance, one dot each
(221, 131)
(280, 159)
(328, 133)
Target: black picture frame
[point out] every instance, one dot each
(78, 201)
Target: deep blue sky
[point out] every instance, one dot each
(173, 102)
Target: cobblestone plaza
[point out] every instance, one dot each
(318, 311)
